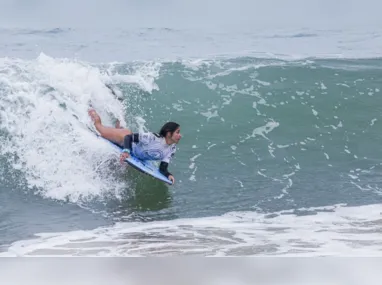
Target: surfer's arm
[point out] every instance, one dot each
(129, 139)
(163, 169)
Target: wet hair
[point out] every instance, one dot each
(168, 127)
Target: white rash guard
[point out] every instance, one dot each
(150, 146)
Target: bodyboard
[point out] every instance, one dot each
(145, 166)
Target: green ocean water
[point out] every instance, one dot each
(260, 136)
(269, 134)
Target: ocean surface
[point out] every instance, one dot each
(280, 112)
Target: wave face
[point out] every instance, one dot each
(273, 152)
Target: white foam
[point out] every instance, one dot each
(44, 110)
(212, 145)
(143, 76)
(209, 114)
(267, 128)
(332, 230)
(195, 157)
(177, 107)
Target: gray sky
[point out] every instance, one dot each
(209, 14)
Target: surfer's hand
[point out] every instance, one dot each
(123, 156)
(172, 179)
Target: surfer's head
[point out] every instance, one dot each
(171, 131)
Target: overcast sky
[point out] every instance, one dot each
(207, 14)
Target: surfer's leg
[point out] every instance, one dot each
(115, 135)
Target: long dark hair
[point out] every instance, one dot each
(168, 127)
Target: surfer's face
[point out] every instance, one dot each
(176, 136)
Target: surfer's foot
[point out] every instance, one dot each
(95, 117)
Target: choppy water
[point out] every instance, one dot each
(280, 153)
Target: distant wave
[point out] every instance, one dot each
(298, 35)
(42, 31)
